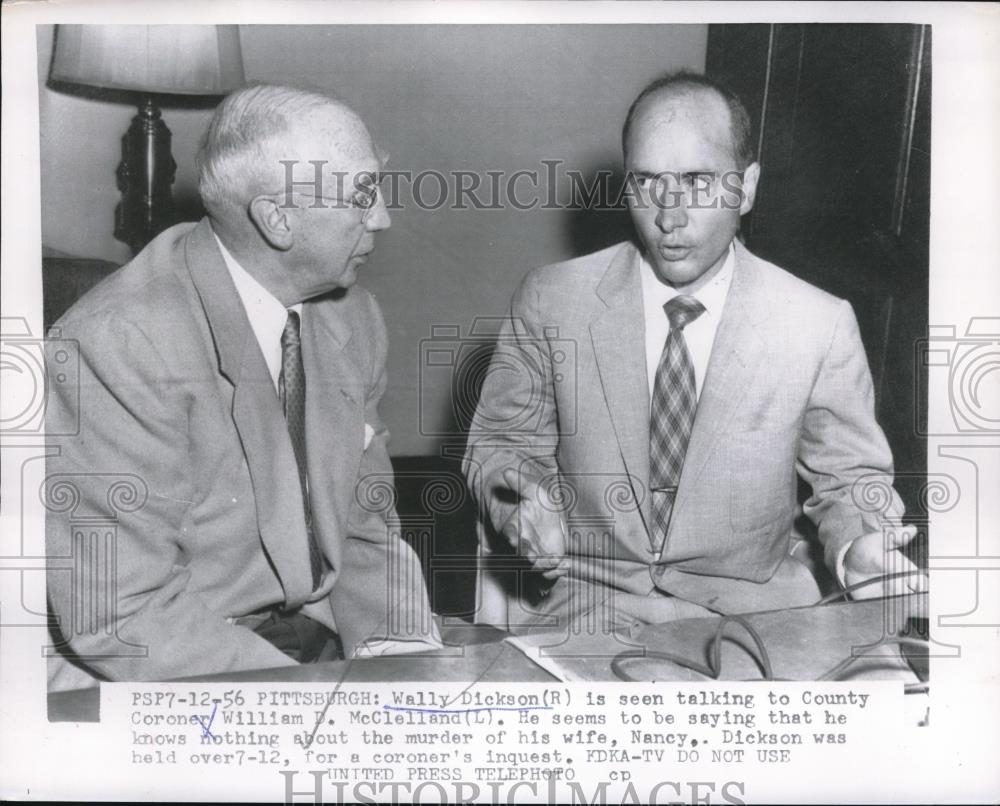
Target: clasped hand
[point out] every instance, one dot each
(877, 554)
(535, 527)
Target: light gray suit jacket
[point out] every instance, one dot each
(176, 494)
(787, 391)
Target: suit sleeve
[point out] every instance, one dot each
(843, 453)
(516, 419)
(118, 498)
(380, 595)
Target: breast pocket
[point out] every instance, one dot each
(762, 480)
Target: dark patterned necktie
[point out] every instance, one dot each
(671, 414)
(292, 392)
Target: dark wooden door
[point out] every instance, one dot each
(841, 115)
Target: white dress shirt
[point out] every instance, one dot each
(699, 335)
(266, 313)
(267, 319)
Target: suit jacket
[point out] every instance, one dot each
(177, 495)
(787, 391)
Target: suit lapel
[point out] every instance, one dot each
(257, 416)
(618, 336)
(736, 356)
(335, 405)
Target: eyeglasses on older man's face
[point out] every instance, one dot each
(364, 197)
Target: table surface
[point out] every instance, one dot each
(802, 644)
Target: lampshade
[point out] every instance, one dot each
(174, 59)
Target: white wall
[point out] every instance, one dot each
(437, 98)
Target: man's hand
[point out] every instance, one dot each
(877, 554)
(535, 528)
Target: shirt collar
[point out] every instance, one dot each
(712, 295)
(257, 300)
(266, 313)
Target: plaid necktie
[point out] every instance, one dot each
(292, 392)
(671, 414)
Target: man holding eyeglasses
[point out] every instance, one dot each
(231, 375)
(649, 406)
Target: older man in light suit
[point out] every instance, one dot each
(230, 377)
(648, 408)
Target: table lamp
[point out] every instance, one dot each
(147, 64)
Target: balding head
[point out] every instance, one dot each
(267, 146)
(256, 128)
(704, 101)
(689, 179)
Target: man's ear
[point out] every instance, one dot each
(272, 221)
(750, 177)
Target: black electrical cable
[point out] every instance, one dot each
(833, 597)
(713, 669)
(840, 668)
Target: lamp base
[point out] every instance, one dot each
(145, 176)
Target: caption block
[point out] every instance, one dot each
(666, 743)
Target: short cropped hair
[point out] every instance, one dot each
(241, 147)
(684, 81)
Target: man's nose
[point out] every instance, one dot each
(378, 217)
(671, 211)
